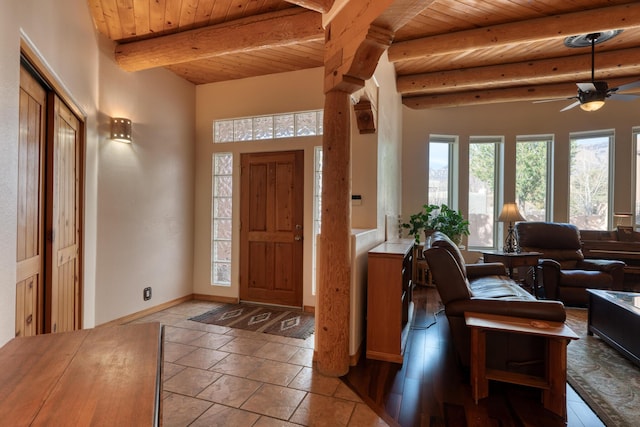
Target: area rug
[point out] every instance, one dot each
(606, 381)
(270, 320)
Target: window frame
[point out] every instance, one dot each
(453, 166)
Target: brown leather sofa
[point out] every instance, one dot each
(622, 244)
(563, 271)
(486, 288)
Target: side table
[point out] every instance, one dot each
(513, 260)
(557, 336)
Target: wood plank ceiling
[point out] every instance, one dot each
(456, 52)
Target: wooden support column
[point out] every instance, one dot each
(335, 254)
(354, 41)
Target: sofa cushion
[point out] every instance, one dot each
(497, 287)
(585, 279)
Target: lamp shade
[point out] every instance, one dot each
(121, 129)
(510, 213)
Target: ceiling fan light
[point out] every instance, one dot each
(592, 106)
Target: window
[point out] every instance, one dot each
(317, 208)
(221, 219)
(441, 169)
(589, 189)
(532, 177)
(305, 123)
(484, 159)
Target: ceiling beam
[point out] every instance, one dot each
(558, 92)
(571, 68)
(358, 35)
(282, 28)
(322, 6)
(551, 27)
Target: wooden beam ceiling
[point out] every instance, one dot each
(551, 27)
(551, 92)
(576, 68)
(286, 27)
(322, 6)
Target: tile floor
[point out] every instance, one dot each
(218, 376)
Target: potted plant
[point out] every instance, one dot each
(437, 218)
(422, 222)
(451, 223)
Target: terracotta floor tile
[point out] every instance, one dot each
(318, 410)
(223, 416)
(170, 369)
(190, 381)
(181, 335)
(180, 411)
(278, 351)
(363, 416)
(238, 365)
(312, 381)
(202, 358)
(265, 421)
(243, 346)
(304, 357)
(274, 401)
(229, 390)
(274, 372)
(344, 392)
(212, 341)
(174, 351)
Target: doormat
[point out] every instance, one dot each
(270, 320)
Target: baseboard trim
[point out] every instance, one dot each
(309, 309)
(146, 312)
(214, 298)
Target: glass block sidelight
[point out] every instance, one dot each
(285, 126)
(306, 123)
(258, 128)
(223, 131)
(221, 273)
(221, 222)
(263, 127)
(243, 129)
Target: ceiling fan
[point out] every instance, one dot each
(591, 96)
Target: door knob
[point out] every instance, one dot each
(297, 238)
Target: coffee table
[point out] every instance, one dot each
(615, 317)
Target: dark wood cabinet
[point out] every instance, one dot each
(389, 300)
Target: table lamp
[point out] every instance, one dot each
(510, 214)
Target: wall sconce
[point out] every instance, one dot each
(510, 214)
(121, 129)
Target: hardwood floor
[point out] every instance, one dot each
(431, 390)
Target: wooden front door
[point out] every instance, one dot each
(271, 211)
(48, 285)
(30, 236)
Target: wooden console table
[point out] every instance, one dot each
(110, 376)
(553, 384)
(389, 300)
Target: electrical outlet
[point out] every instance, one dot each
(146, 294)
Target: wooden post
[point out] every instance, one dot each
(335, 254)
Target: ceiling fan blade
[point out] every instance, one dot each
(623, 96)
(541, 101)
(627, 86)
(570, 106)
(586, 87)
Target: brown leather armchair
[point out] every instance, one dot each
(486, 288)
(563, 272)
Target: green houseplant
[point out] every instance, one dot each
(437, 218)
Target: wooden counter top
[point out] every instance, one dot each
(106, 376)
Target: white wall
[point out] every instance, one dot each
(145, 190)
(511, 120)
(280, 93)
(63, 36)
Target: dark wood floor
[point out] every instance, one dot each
(431, 390)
